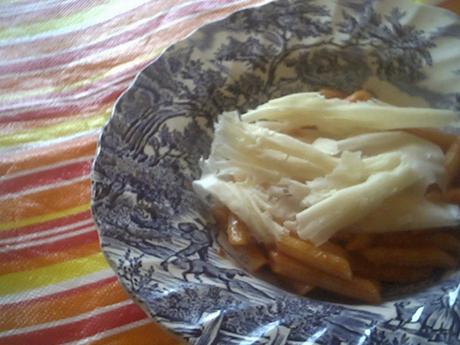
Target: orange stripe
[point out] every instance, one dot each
(56, 11)
(44, 202)
(148, 334)
(15, 126)
(45, 258)
(132, 49)
(33, 158)
(69, 40)
(78, 302)
(69, 75)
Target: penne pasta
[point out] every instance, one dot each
(237, 232)
(335, 249)
(359, 96)
(329, 197)
(358, 242)
(357, 288)
(314, 257)
(252, 256)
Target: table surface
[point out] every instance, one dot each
(63, 63)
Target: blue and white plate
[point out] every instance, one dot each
(159, 237)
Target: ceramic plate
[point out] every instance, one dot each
(159, 237)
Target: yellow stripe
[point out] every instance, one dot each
(53, 274)
(57, 130)
(43, 218)
(95, 77)
(82, 19)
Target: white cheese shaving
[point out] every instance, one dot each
(318, 166)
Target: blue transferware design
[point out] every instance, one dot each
(160, 238)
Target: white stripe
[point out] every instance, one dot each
(56, 288)
(45, 187)
(101, 90)
(13, 106)
(40, 234)
(109, 35)
(16, 149)
(16, 9)
(20, 100)
(46, 167)
(66, 321)
(67, 137)
(111, 52)
(110, 332)
(36, 103)
(127, 28)
(52, 239)
(130, 25)
(108, 11)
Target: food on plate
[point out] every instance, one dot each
(337, 192)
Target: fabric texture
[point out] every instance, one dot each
(63, 63)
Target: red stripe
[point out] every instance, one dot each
(99, 90)
(18, 240)
(49, 176)
(79, 329)
(63, 110)
(44, 13)
(44, 98)
(114, 24)
(111, 23)
(74, 291)
(50, 248)
(46, 225)
(70, 75)
(16, 6)
(70, 56)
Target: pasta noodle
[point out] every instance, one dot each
(326, 233)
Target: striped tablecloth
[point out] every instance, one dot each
(62, 65)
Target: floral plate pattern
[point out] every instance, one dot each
(159, 237)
